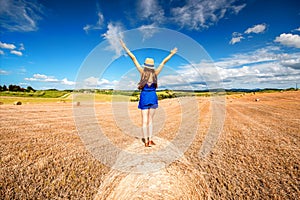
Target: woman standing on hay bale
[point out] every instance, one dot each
(148, 99)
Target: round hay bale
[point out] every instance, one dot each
(77, 103)
(17, 103)
(1, 103)
(256, 99)
(61, 101)
(178, 180)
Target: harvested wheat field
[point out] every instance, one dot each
(255, 156)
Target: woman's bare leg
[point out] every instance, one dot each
(145, 116)
(150, 122)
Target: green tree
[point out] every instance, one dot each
(30, 89)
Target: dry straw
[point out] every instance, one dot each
(178, 180)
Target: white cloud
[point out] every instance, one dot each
(259, 28)
(100, 19)
(40, 76)
(97, 26)
(20, 16)
(288, 39)
(3, 72)
(49, 79)
(238, 8)
(18, 53)
(7, 46)
(151, 11)
(292, 62)
(258, 56)
(262, 68)
(87, 27)
(199, 14)
(148, 30)
(184, 79)
(297, 29)
(113, 35)
(236, 37)
(12, 48)
(30, 79)
(46, 79)
(193, 14)
(65, 81)
(259, 69)
(93, 82)
(23, 84)
(22, 47)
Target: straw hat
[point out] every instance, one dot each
(149, 63)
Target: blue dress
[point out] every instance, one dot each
(148, 97)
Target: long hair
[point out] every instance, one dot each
(145, 77)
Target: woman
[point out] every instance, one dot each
(148, 99)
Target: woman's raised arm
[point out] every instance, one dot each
(162, 64)
(133, 58)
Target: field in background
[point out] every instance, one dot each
(63, 96)
(51, 96)
(257, 155)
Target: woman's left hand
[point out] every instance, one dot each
(173, 51)
(122, 43)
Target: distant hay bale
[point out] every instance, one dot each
(17, 103)
(256, 99)
(77, 103)
(1, 103)
(61, 101)
(178, 180)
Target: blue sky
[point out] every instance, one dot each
(241, 44)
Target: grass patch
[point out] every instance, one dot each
(40, 93)
(42, 96)
(31, 100)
